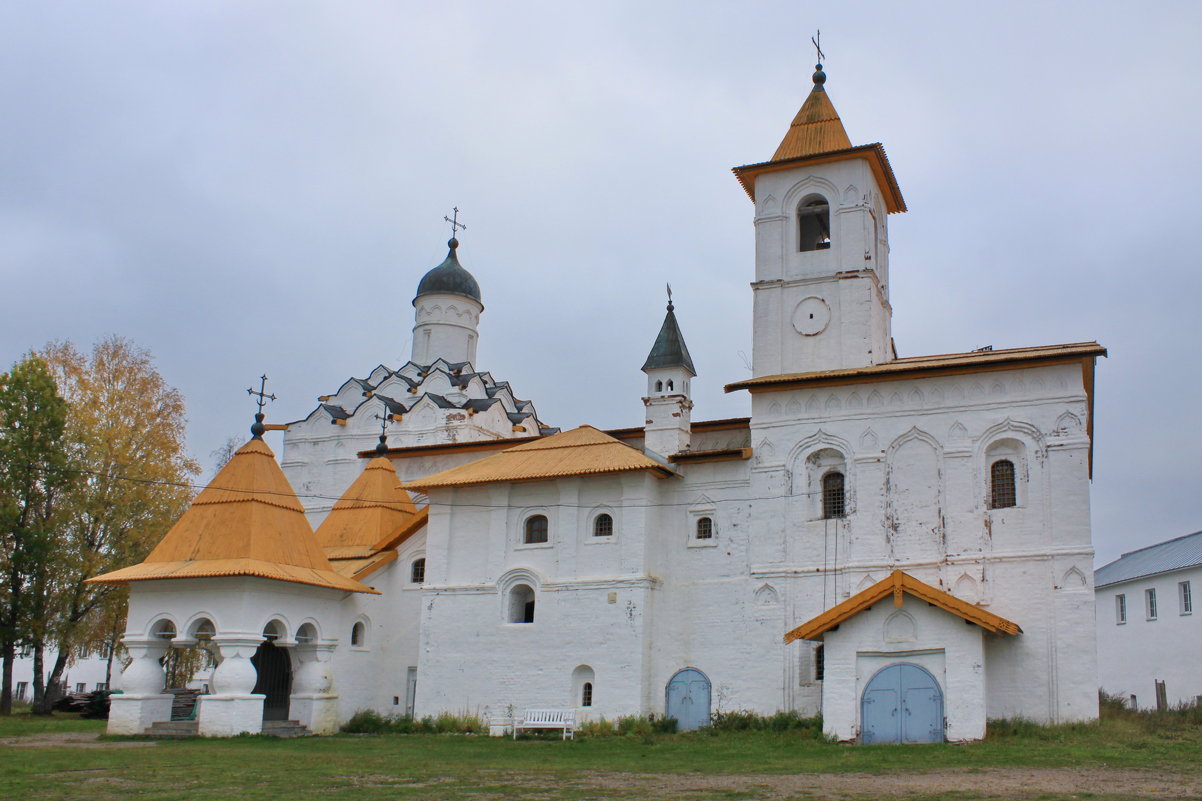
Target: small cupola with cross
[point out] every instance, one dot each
(669, 368)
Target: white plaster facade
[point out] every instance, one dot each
(665, 590)
(1154, 633)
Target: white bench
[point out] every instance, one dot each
(564, 719)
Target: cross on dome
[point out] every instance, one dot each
(258, 428)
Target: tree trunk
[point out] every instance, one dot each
(54, 683)
(39, 680)
(6, 680)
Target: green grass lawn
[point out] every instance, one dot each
(369, 767)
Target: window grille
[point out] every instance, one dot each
(1001, 485)
(536, 529)
(603, 526)
(1186, 597)
(705, 528)
(820, 662)
(1150, 601)
(834, 499)
(417, 574)
(586, 694)
(1120, 609)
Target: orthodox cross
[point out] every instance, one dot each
(818, 47)
(258, 428)
(385, 419)
(456, 226)
(263, 396)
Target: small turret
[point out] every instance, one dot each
(669, 368)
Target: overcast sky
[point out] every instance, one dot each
(248, 187)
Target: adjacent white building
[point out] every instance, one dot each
(901, 544)
(1147, 629)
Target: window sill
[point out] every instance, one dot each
(710, 543)
(594, 540)
(527, 546)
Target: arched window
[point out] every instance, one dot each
(586, 694)
(670, 387)
(603, 526)
(659, 386)
(1002, 493)
(521, 604)
(358, 634)
(417, 572)
(536, 529)
(814, 223)
(705, 528)
(834, 499)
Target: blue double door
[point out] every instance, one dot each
(689, 699)
(902, 704)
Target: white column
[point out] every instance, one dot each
(143, 701)
(233, 708)
(313, 702)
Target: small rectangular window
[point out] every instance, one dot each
(102, 685)
(1186, 597)
(1150, 602)
(22, 688)
(81, 687)
(1120, 609)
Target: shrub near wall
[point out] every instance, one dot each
(367, 721)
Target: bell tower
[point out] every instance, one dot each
(669, 367)
(821, 246)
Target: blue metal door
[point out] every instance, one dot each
(689, 699)
(902, 704)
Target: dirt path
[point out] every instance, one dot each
(1007, 783)
(71, 740)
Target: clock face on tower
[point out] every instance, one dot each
(811, 316)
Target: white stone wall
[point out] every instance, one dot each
(1134, 654)
(90, 671)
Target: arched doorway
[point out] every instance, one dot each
(901, 704)
(275, 679)
(689, 699)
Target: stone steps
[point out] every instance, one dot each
(191, 728)
(174, 728)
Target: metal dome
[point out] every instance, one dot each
(449, 278)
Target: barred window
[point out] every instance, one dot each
(834, 499)
(705, 528)
(1186, 597)
(1120, 609)
(536, 529)
(417, 573)
(586, 694)
(1001, 485)
(603, 526)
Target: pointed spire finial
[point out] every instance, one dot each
(456, 226)
(670, 306)
(258, 428)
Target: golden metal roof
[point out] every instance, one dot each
(247, 522)
(372, 508)
(899, 584)
(816, 129)
(975, 361)
(581, 451)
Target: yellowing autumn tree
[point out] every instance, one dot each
(126, 428)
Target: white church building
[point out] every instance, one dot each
(900, 544)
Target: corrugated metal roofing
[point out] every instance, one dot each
(581, 451)
(816, 129)
(1174, 554)
(247, 522)
(373, 507)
